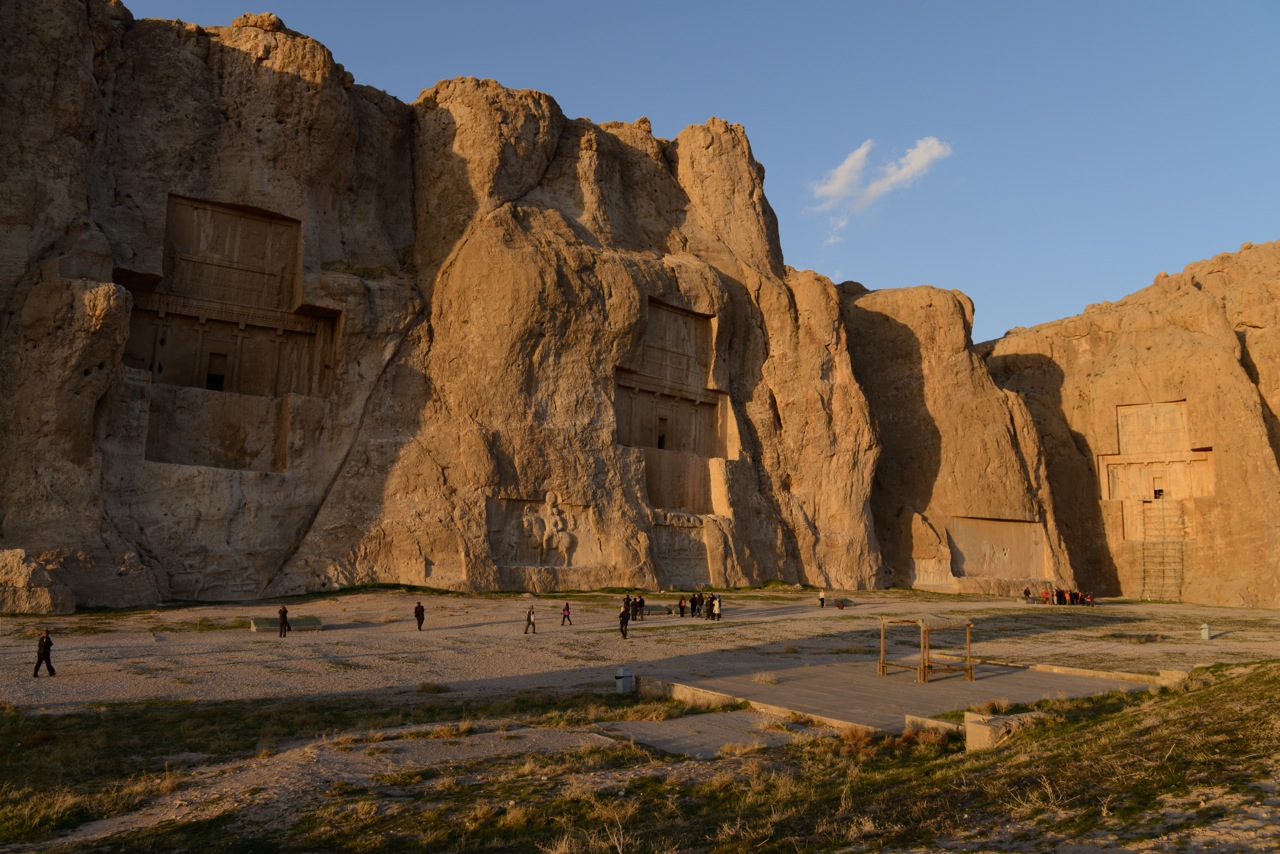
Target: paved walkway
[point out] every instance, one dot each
(853, 693)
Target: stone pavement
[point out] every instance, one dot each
(854, 694)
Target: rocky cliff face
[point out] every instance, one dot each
(265, 331)
(1157, 421)
(961, 499)
(273, 332)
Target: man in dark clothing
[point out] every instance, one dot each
(284, 620)
(640, 606)
(624, 617)
(419, 614)
(44, 648)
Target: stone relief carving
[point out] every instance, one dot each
(680, 552)
(546, 532)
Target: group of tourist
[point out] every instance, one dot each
(706, 605)
(1058, 596)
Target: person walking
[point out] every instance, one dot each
(530, 622)
(682, 606)
(624, 617)
(565, 615)
(419, 614)
(822, 598)
(44, 649)
(284, 620)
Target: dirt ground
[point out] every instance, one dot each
(477, 645)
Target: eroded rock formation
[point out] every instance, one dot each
(1157, 419)
(264, 331)
(282, 333)
(961, 498)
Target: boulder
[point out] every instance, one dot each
(28, 587)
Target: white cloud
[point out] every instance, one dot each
(913, 164)
(843, 180)
(842, 189)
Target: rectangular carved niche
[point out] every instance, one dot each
(225, 321)
(996, 548)
(543, 532)
(662, 403)
(1156, 471)
(225, 316)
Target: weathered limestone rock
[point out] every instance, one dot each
(1154, 412)
(584, 419)
(264, 330)
(467, 343)
(960, 497)
(27, 587)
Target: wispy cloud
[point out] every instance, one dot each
(842, 189)
(844, 180)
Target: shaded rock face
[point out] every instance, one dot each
(271, 331)
(960, 497)
(1157, 418)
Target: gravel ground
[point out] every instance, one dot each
(476, 644)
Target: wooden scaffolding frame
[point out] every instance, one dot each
(927, 665)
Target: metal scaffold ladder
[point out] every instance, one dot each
(1164, 535)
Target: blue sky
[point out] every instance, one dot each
(1037, 156)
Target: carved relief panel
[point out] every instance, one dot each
(543, 532)
(680, 554)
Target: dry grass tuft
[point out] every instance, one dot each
(764, 678)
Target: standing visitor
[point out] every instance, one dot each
(44, 651)
(719, 601)
(530, 622)
(419, 614)
(624, 617)
(284, 620)
(682, 606)
(822, 598)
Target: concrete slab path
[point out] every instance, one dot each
(853, 693)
